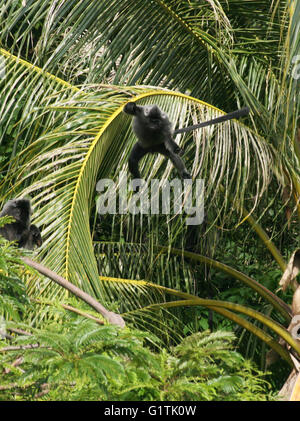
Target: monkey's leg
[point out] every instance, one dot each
(135, 156)
(176, 160)
(179, 165)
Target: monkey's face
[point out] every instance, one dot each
(36, 235)
(38, 240)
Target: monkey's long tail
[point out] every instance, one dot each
(229, 116)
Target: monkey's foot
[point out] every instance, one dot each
(186, 175)
(179, 151)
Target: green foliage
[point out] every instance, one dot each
(13, 297)
(79, 360)
(205, 367)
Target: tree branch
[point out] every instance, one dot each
(110, 316)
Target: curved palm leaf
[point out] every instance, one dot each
(132, 291)
(221, 307)
(25, 90)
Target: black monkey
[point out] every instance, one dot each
(153, 129)
(17, 231)
(25, 235)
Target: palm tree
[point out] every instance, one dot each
(63, 131)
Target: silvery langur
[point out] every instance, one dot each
(25, 234)
(154, 131)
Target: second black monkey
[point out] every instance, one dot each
(25, 234)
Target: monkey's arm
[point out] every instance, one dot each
(179, 165)
(132, 109)
(172, 146)
(167, 149)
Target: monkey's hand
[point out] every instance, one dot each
(130, 108)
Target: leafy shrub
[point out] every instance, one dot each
(81, 360)
(13, 297)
